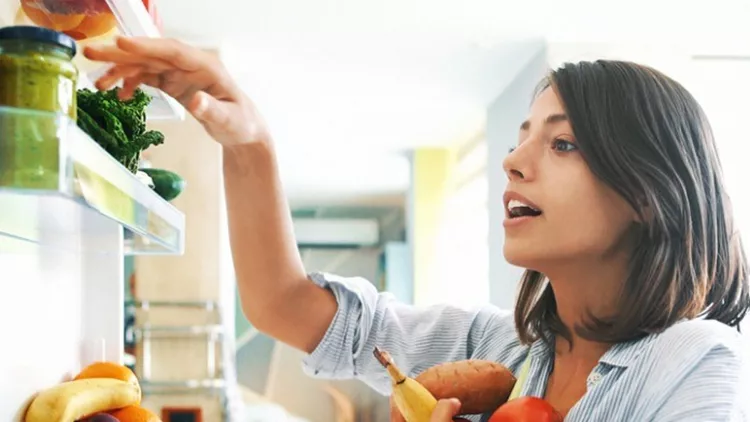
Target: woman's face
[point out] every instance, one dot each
(557, 211)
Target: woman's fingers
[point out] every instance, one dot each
(129, 85)
(173, 67)
(116, 55)
(110, 53)
(395, 414)
(193, 77)
(168, 50)
(115, 74)
(208, 110)
(445, 411)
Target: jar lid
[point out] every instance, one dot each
(39, 34)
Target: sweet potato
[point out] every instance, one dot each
(481, 386)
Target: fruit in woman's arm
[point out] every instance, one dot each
(526, 409)
(481, 386)
(74, 400)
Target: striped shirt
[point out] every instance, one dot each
(695, 371)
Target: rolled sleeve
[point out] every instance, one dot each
(416, 337)
(357, 300)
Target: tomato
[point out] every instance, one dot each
(526, 409)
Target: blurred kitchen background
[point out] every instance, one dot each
(392, 118)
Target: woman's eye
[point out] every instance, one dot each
(511, 149)
(562, 145)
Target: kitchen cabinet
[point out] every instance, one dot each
(62, 240)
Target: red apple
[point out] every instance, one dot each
(526, 409)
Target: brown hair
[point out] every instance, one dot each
(646, 137)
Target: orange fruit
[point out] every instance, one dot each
(108, 370)
(134, 414)
(92, 26)
(51, 20)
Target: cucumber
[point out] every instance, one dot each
(167, 184)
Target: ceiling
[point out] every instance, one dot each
(349, 85)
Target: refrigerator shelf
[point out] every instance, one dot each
(54, 180)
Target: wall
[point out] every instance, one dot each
(398, 271)
(432, 169)
(504, 117)
(462, 248)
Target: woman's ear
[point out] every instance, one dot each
(644, 214)
(642, 211)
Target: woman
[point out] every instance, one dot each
(615, 196)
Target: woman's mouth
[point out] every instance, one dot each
(517, 209)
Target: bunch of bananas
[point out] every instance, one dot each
(74, 400)
(100, 387)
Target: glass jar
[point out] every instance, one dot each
(37, 70)
(37, 90)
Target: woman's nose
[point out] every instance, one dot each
(516, 164)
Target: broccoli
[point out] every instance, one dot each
(118, 126)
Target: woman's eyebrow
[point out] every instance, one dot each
(552, 118)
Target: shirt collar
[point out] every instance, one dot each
(624, 354)
(620, 355)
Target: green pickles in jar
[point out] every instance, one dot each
(37, 85)
(37, 70)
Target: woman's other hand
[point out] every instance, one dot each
(444, 412)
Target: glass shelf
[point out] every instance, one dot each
(54, 178)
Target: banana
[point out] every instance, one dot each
(413, 400)
(73, 400)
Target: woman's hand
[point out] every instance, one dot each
(444, 412)
(195, 78)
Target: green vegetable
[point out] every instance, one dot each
(118, 126)
(87, 123)
(167, 184)
(152, 137)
